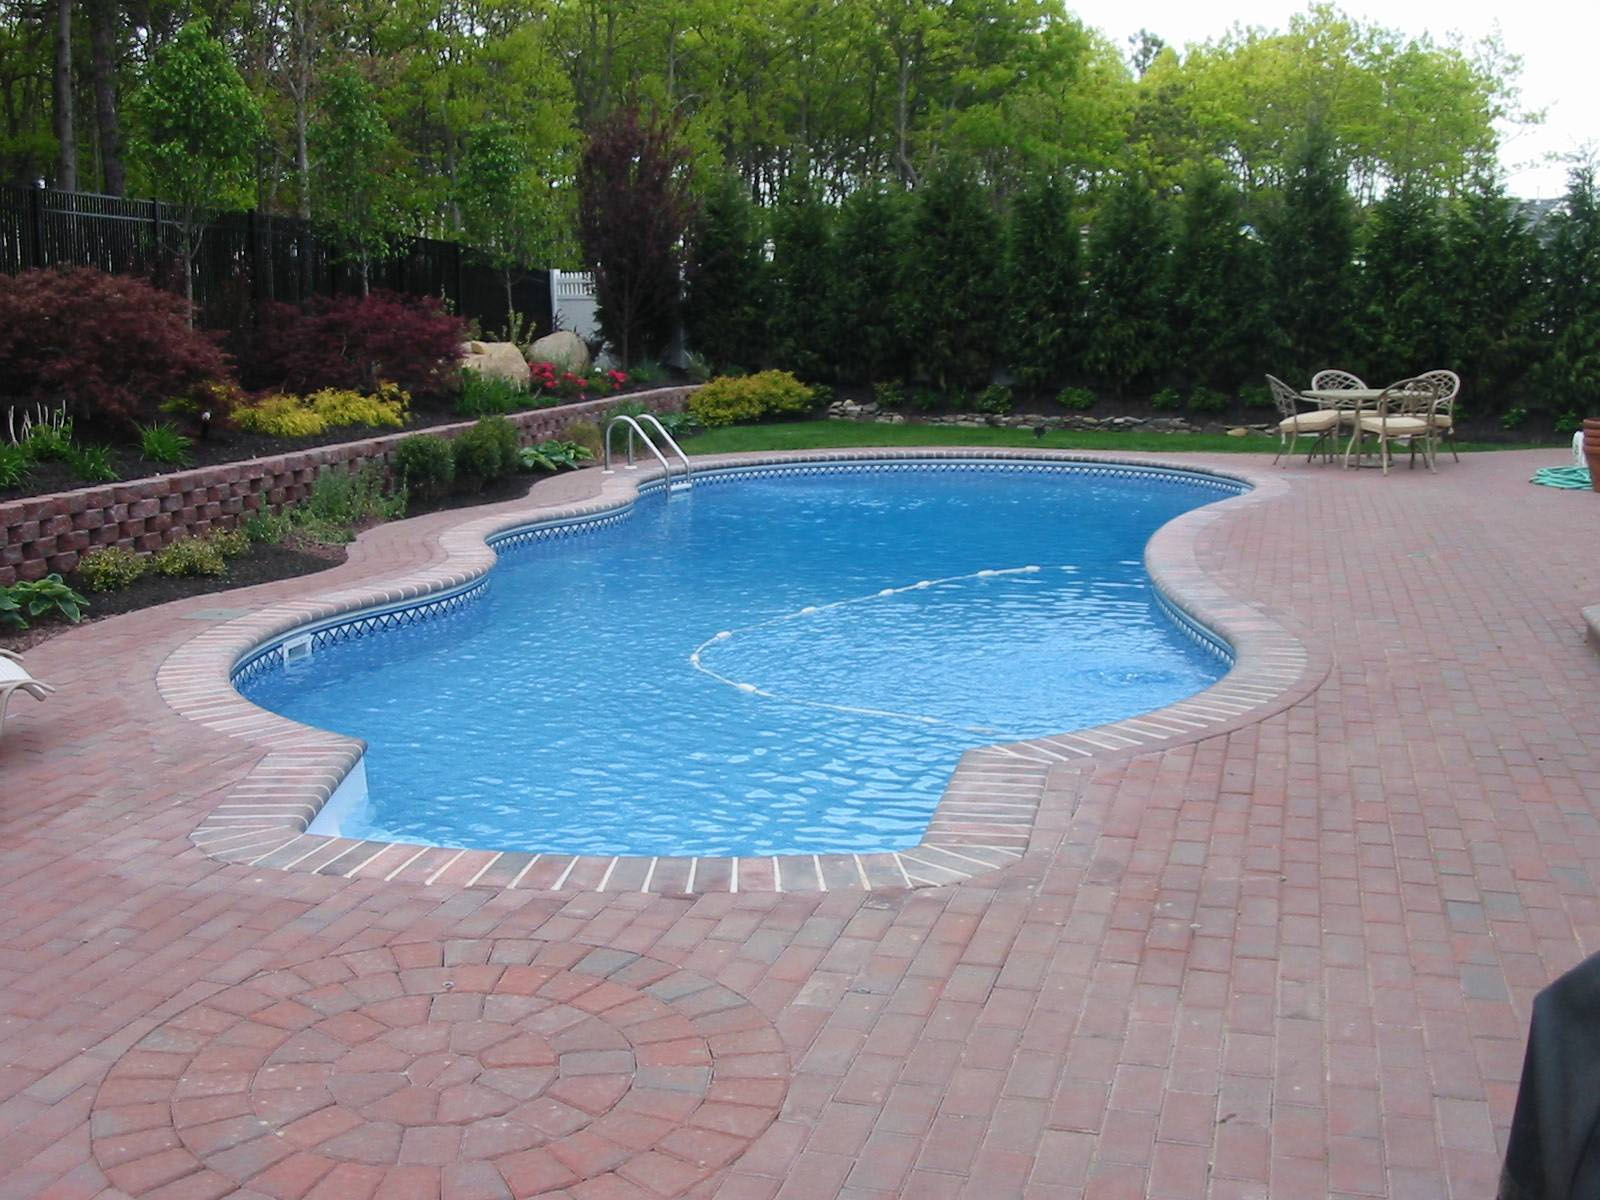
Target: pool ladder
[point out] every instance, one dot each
(683, 482)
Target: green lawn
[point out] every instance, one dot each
(830, 435)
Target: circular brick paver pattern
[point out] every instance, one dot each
(472, 1068)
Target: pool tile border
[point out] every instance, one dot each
(985, 822)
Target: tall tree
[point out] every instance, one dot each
(802, 255)
(1221, 315)
(1310, 238)
(1044, 281)
(1493, 287)
(359, 170)
(511, 214)
(1405, 315)
(1129, 335)
(195, 127)
(66, 132)
(104, 35)
(634, 206)
(1571, 375)
(951, 293)
(725, 280)
(870, 258)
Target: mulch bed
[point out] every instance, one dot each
(261, 564)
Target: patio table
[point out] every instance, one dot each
(1350, 402)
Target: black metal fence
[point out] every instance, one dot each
(243, 260)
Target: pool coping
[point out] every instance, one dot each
(986, 820)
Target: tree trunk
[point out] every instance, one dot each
(102, 34)
(67, 162)
(511, 312)
(301, 88)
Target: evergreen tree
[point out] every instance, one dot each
(802, 242)
(869, 255)
(1129, 336)
(1572, 373)
(1222, 319)
(951, 292)
(1492, 280)
(725, 295)
(1045, 279)
(1310, 240)
(1404, 306)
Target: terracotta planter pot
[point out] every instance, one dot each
(1591, 450)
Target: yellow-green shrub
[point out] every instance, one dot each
(190, 556)
(280, 416)
(110, 568)
(330, 408)
(730, 399)
(385, 407)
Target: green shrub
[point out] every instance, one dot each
(995, 400)
(486, 452)
(1075, 398)
(265, 527)
(888, 393)
(49, 443)
(230, 543)
(587, 434)
(725, 401)
(189, 556)
(92, 464)
(160, 442)
(1255, 395)
(1513, 417)
(342, 500)
(647, 373)
(1207, 400)
(35, 598)
(1166, 400)
(15, 462)
(1569, 422)
(484, 397)
(426, 465)
(553, 456)
(110, 568)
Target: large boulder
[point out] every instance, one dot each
(563, 348)
(496, 360)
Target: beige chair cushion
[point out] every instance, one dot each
(1442, 420)
(1319, 421)
(1395, 426)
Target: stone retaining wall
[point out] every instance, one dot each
(41, 534)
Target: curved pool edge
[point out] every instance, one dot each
(985, 821)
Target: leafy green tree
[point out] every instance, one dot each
(195, 126)
(511, 213)
(802, 258)
(359, 170)
(1405, 314)
(1493, 285)
(870, 253)
(726, 297)
(951, 287)
(1221, 314)
(634, 207)
(1129, 334)
(1572, 374)
(1044, 281)
(1310, 237)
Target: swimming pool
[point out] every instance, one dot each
(878, 620)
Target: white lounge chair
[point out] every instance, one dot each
(14, 677)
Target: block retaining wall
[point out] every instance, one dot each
(41, 534)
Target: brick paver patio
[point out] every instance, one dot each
(1293, 957)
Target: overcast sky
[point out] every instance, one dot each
(1557, 44)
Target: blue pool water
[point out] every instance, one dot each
(585, 703)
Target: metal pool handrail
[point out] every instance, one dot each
(634, 427)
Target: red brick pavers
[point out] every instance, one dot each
(1291, 958)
